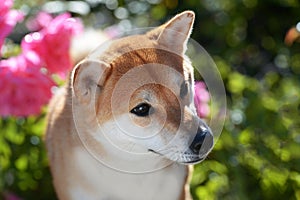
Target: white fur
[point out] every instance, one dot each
(127, 152)
(166, 182)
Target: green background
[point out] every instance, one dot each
(258, 153)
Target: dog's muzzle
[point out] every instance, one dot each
(199, 147)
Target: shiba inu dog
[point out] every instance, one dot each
(125, 125)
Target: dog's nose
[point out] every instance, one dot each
(202, 142)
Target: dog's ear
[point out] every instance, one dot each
(87, 77)
(176, 32)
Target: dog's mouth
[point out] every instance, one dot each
(182, 158)
(193, 160)
(151, 150)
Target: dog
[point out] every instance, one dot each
(125, 124)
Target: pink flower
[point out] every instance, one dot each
(201, 99)
(53, 42)
(23, 88)
(8, 19)
(40, 21)
(11, 196)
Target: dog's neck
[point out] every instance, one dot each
(119, 185)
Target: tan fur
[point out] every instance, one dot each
(84, 104)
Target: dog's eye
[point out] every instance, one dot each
(141, 110)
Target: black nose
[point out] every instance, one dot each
(203, 141)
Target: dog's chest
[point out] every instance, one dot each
(96, 181)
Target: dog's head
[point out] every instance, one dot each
(138, 91)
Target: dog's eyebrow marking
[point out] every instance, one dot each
(183, 89)
(146, 96)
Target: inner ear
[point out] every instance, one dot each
(175, 33)
(86, 77)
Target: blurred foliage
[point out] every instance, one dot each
(24, 166)
(258, 154)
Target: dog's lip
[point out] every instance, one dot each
(192, 159)
(152, 151)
